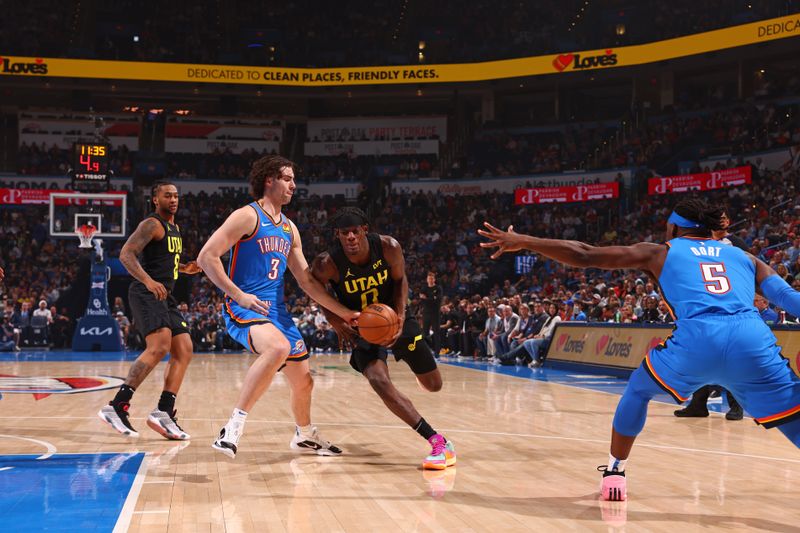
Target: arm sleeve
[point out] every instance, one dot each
(779, 293)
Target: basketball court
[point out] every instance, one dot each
(528, 444)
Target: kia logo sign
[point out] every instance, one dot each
(96, 331)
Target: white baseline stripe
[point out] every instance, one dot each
(124, 519)
(51, 449)
(457, 430)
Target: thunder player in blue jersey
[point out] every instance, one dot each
(263, 242)
(709, 288)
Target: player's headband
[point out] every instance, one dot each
(682, 222)
(349, 220)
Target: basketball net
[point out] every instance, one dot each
(85, 234)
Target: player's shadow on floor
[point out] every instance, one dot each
(586, 508)
(583, 508)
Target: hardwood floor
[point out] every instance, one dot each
(527, 453)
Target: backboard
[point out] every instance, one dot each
(105, 211)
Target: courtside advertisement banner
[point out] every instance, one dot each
(624, 346)
(789, 341)
(560, 195)
(555, 64)
(704, 181)
(617, 345)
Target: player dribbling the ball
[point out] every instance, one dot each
(364, 268)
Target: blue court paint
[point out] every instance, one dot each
(66, 492)
(40, 356)
(584, 377)
(31, 356)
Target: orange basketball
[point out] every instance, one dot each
(378, 323)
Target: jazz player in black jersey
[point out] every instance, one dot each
(155, 314)
(364, 268)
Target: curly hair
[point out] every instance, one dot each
(699, 211)
(267, 167)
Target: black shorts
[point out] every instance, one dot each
(150, 314)
(410, 347)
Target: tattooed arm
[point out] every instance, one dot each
(149, 229)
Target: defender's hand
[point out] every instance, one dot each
(253, 303)
(504, 241)
(351, 317)
(190, 268)
(343, 330)
(158, 289)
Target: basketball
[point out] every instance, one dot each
(378, 323)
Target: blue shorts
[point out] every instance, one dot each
(239, 321)
(738, 352)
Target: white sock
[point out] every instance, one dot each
(235, 425)
(616, 464)
(305, 430)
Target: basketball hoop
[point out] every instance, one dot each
(85, 234)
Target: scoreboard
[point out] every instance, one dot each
(90, 166)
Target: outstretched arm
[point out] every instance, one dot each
(775, 289)
(645, 256)
(299, 266)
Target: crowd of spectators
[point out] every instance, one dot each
(740, 129)
(437, 232)
(224, 165)
(324, 34)
(219, 165)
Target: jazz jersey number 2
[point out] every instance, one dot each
(714, 278)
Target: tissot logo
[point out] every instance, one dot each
(562, 62)
(9, 66)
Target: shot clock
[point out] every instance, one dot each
(90, 166)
